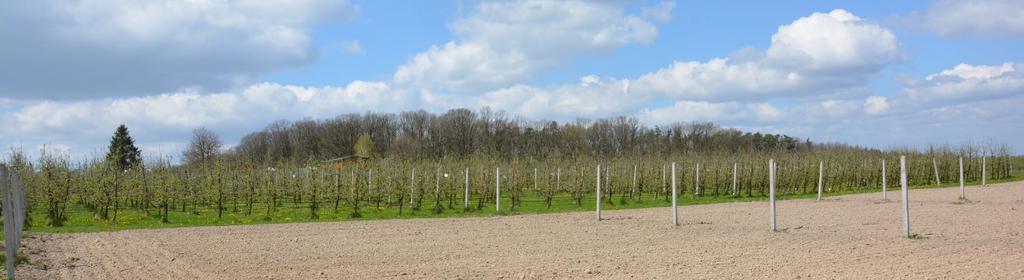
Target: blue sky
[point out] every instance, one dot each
(872, 73)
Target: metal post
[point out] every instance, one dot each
(821, 177)
(904, 194)
(675, 207)
(599, 193)
(771, 192)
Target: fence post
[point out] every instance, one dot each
(558, 179)
(821, 177)
(598, 193)
(535, 178)
(904, 194)
(884, 198)
(963, 194)
(633, 193)
(771, 192)
(935, 164)
(734, 169)
(10, 233)
(465, 197)
(675, 207)
(984, 172)
(497, 189)
(696, 187)
(412, 187)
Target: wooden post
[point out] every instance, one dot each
(497, 189)
(465, 196)
(675, 206)
(904, 194)
(696, 184)
(963, 194)
(771, 192)
(884, 198)
(821, 177)
(664, 182)
(599, 193)
(734, 169)
(369, 182)
(935, 164)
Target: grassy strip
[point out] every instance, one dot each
(81, 220)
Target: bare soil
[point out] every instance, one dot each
(845, 237)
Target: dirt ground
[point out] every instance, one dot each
(846, 237)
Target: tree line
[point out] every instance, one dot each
(460, 133)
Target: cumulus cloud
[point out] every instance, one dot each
(661, 12)
(504, 42)
(154, 119)
(876, 105)
(833, 53)
(966, 82)
(973, 18)
(99, 48)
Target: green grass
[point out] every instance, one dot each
(82, 220)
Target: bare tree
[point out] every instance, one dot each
(205, 146)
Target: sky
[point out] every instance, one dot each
(878, 74)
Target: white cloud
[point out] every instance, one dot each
(592, 97)
(966, 82)
(876, 105)
(974, 18)
(95, 48)
(353, 47)
(820, 54)
(504, 42)
(661, 12)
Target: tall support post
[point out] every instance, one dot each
(9, 232)
(734, 169)
(465, 195)
(534, 178)
(412, 186)
(935, 165)
(960, 162)
(369, 182)
(771, 192)
(497, 189)
(633, 193)
(821, 177)
(904, 196)
(984, 172)
(558, 179)
(598, 212)
(884, 198)
(675, 194)
(664, 182)
(696, 183)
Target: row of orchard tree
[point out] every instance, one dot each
(211, 183)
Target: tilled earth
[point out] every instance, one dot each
(844, 237)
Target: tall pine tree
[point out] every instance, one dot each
(122, 152)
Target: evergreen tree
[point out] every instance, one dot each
(122, 151)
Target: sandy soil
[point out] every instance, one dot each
(847, 237)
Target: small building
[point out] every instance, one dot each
(342, 162)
